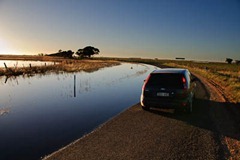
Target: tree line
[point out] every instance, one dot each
(230, 60)
(85, 52)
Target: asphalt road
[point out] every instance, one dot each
(159, 134)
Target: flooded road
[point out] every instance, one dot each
(41, 114)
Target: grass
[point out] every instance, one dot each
(63, 64)
(225, 75)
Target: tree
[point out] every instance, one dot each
(87, 51)
(237, 61)
(229, 60)
(40, 54)
(66, 54)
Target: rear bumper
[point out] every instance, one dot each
(163, 103)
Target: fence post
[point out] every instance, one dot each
(5, 65)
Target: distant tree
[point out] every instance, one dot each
(69, 53)
(59, 51)
(40, 54)
(66, 54)
(229, 60)
(87, 51)
(237, 61)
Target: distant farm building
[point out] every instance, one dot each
(179, 58)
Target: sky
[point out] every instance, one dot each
(164, 29)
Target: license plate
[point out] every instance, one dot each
(162, 94)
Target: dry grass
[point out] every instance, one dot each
(32, 58)
(63, 64)
(225, 75)
(85, 65)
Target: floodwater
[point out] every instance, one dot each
(11, 63)
(41, 114)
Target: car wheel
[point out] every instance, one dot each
(146, 108)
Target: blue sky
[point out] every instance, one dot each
(194, 29)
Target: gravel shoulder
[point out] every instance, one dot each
(210, 132)
(226, 118)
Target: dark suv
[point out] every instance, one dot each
(168, 88)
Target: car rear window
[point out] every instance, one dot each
(166, 80)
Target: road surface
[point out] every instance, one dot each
(210, 132)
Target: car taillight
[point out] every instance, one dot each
(183, 79)
(184, 83)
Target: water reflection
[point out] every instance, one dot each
(4, 111)
(43, 113)
(20, 63)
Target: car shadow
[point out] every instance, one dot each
(220, 118)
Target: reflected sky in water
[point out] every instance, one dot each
(41, 114)
(11, 63)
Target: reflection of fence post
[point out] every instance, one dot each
(74, 85)
(6, 79)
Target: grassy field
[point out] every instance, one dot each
(225, 75)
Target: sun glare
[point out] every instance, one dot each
(5, 49)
